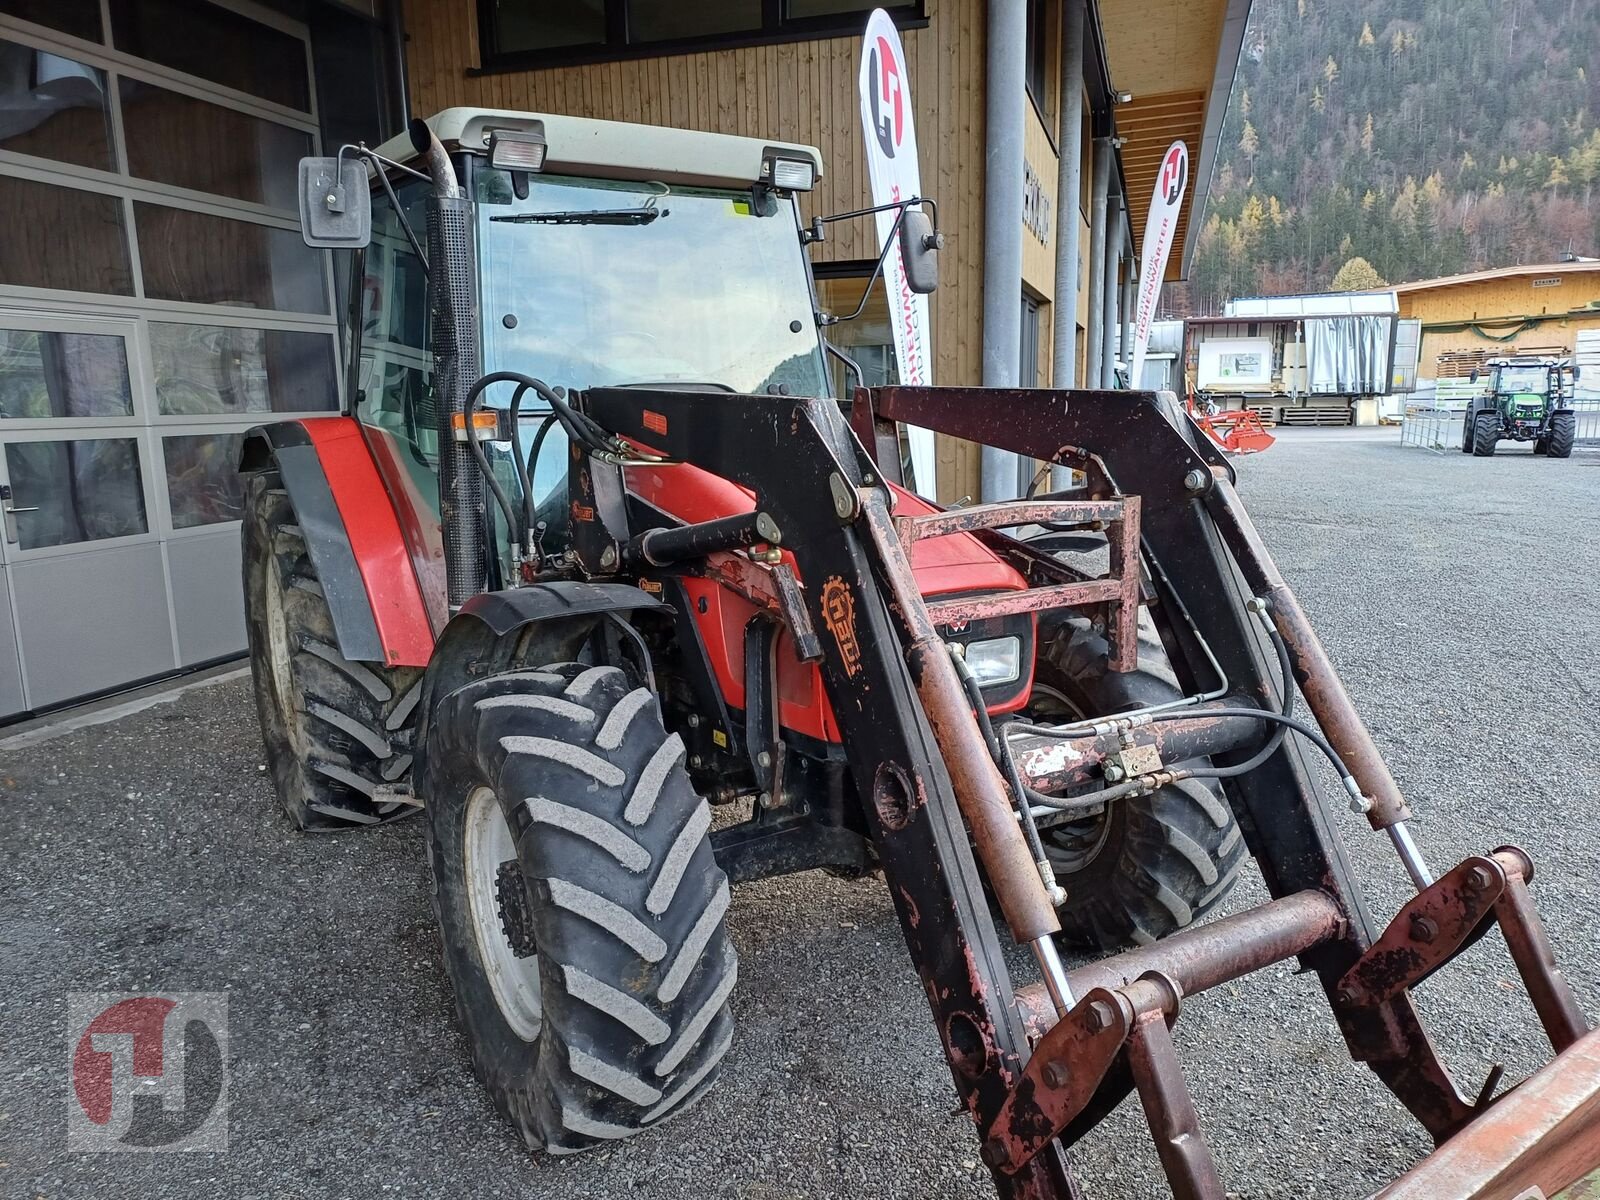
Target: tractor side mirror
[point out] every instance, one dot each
(920, 244)
(1473, 378)
(335, 205)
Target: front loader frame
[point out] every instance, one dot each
(1037, 1066)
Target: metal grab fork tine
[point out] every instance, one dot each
(1169, 1110)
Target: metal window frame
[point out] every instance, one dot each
(776, 28)
(106, 57)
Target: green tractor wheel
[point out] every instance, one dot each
(1563, 432)
(1485, 433)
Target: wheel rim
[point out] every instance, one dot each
(486, 844)
(279, 654)
(1072, 845)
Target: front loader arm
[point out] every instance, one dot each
(1040, 1064)
(820, 501)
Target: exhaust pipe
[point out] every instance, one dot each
(452, 287)
(440, 169)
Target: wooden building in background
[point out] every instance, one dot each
(1543, 308)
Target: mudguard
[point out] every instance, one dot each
(353, 536)
(487, 637)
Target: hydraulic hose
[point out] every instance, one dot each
(1283, 721)
(1003, 759)
(1286, 672)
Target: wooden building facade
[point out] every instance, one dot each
(1542, 308)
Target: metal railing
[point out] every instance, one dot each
(1437, 426)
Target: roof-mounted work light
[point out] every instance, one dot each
(517, 150)
(789, 174)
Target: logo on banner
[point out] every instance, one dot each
(887, 95)
(146, 1072)
(1174, 172)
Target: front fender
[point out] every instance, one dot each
(518, 629)
(352, 533)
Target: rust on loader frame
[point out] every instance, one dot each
(1035, 1067)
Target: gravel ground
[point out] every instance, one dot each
(1458, 596)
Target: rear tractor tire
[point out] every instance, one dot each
(1485, 433)
(1563, 432)
(1151, 864)
(334, 730)
(580, 907)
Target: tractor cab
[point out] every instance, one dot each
(602, 254)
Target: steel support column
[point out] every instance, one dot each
(1006, 108)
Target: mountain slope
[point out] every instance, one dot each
(1426, 136)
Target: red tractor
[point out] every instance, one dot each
(593, 554)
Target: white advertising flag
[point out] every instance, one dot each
(894, 175)
(1160, 227)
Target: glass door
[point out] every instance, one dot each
(85, 604)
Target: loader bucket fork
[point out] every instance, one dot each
(1039, 1065)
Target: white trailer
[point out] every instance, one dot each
(1303, 360)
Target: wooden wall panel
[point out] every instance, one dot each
(1039, 256)
(801, 92)
(1496, 304)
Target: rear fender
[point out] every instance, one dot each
(529, 627)
(352, 534)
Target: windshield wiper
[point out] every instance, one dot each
(605, 216)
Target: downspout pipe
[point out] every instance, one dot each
(1130, 295)
(1069, 189)
(1110, 288)
(1006, 107)
(395, 31)
(1098, 205)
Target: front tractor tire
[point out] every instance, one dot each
(1563, 433)
(1485, 433)
(580, 907)
(335, 731)
(1150, 864)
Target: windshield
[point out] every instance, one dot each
(701, 291)
(1519, 381)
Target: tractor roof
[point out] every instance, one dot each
(1527, 360)
(615, 149)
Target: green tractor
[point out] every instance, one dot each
(1528, 399)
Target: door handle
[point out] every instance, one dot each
(10, 510)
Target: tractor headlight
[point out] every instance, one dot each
(995, 661)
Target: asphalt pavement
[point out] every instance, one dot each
(1458, 596)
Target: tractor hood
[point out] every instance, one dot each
(950, 565)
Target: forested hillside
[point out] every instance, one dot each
(1423, 136)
